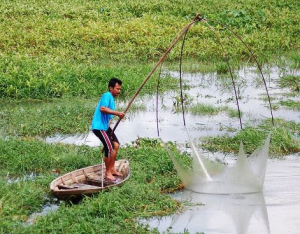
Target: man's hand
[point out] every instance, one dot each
(106, 110)
(121, 115)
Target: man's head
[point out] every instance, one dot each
(114, 86)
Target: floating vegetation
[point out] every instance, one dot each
(52, 50)
(291, 82)
(204, 109)
(294, 105)
(200, 109)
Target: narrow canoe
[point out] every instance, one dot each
(87, 181)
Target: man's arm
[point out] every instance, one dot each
(106, 110)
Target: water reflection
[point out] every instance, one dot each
(219, 214)
(275, 211)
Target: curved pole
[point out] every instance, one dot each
(197, 18)
(180, 82)
(157, 92)
(257, 63)
(229, 67)
(259, 67)
(180, 77)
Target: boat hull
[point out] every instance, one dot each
(87, 181)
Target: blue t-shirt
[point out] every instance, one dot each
(100, 119)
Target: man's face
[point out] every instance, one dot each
(116, 90)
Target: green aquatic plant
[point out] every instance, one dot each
(204, 109)
(232, 113)
(47, 118)
(291, 82)
(294, 105)
(282, 138)
(187, 100)
(208, 109)
(294, 56)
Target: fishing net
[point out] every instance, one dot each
(247, 174)
(205, 176)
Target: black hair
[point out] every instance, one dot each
(113, 81)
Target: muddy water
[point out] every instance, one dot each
(275, 211)
(205, 89)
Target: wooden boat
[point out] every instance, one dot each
(87, 181)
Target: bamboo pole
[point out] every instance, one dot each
(102, 174)
(183, 31)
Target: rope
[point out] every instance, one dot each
(157, 92)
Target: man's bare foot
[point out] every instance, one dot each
(110, 177)
(116, 173)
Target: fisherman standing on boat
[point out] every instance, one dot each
(103, 114)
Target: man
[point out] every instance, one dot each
(103, 114)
